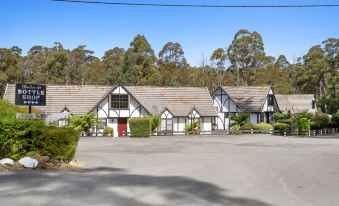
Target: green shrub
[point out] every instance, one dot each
(240, 118)
(9, 110)
(84, 123)
(155, 122)
(55, 142)
(192, 127)
(247, 126)
(108, 131)
(140, 126)
(281, 127)
(304, 125)
(14, 137)
(263, 126)
(235, 127)
(285, 121)
(335, 120)
(315, 125)
(280, 116)
(15, 140)
(322, 119)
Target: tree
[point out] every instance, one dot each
(140, 58)
(113, 61)
(282, 62)
(10, 66)
(246, 52)
(172, 56)
(80, 57)
(218, 58)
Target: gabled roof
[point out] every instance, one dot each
(78, 99)
(179, 100)
(296, 102)
(248, 98)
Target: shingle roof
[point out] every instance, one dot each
(78, 99)
(296, 102)
(179, 100)
(248, 98)
(81, 99)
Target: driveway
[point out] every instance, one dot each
(256, 170)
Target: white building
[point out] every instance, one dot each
(296, 103)
(259, 102)
(176, 106)
(114, 106)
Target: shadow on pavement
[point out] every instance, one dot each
(110, 186)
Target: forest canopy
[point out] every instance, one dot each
(242, 62)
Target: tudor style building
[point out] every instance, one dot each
(114, 106)
(176, 106)
(260, 102)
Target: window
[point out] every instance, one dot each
(166, 124)
(313, 104)
(227, 115)
(270, 100)
(119, 101)
(261, 117)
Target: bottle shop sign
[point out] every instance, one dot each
(30, 94)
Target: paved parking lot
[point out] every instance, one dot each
(256, 170)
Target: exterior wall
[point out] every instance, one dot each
(206, 125)
(223, 105)
(179, 125)
(110, 116)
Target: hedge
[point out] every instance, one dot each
(55, 142)
(281, 127)
(15, 140)
(247, 126)
(140, 126)
(261, 126)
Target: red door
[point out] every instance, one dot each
(122, 127)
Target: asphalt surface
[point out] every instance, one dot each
(257, 170)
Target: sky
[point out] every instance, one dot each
(288, 31)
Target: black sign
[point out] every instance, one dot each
(30, 94)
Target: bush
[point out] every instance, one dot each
(235, 127)
(15, 140)
(280, 116)
(322, 119)
(55, 142)
(9, 110)
(263, 126)
(247, 126)
(140, 126)
(281, 127)
(335, 120)
(108, 131)
(84, 123)
(285, 121)
(240, 118)
(192, 127)
(315, 125)
(14, 137)
(155, 122)
(304, 125)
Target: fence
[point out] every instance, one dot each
(320, 132)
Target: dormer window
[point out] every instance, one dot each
(270, 100)
(119, 101)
